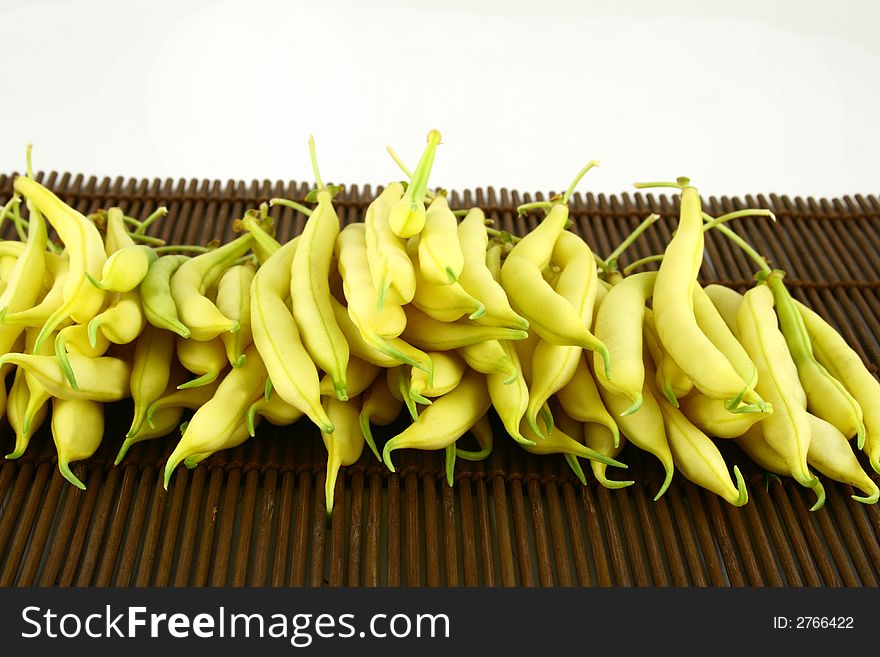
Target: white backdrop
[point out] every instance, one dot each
(746, 97)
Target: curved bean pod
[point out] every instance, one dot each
(845, 365)
(787, 429)
(293, 373)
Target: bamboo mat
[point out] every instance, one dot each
(255, 515)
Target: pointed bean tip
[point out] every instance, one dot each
(670, 396)
(419, 398)
(532, 421)
(92, 330)
(576, 468)
(615, 434)
(636, 405)
(819, 490)
(868, 499)
(67, 473)
(451, 454)
(169, 469)
(479, 312)
(807, 481)
(386, 455)
(670, 471)
(121, 453)
(249, 420)
(743, 490)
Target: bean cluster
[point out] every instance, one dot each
(423, 312)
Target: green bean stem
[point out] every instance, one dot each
(7, 210)
(314, 157)
(632, 237)
(290, 204)
(27, 157)
(189, 248)
(756, 212)
(146, 223)
(147, 239)
(641, 261)
(21, 226)
(674, 185)
(568, 192)
(406, 170)
(746, 247)
(534, 205)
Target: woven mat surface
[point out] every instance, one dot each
(255, 515)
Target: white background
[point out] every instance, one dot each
(743, 97)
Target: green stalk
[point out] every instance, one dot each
(261, 237)
(21, 226)
(534, 205)
(314, 157)
(674, 185)
(147, 239)
(712, 223)
(603, 265)
(428, 193)
(7, 210)
(188, 248)
(27, 158)
(146, 223)
(641, 261)
(290, 204)
(418, 187)
(632, 237)
(568, 192)
(503, 235)
(746, 247)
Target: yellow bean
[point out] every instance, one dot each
(77, 429)
(213, 424)
(345, 444)
(754, 443)
(102, 379)
(787, 428)
(445, 420)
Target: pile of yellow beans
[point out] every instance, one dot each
(423, 312)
